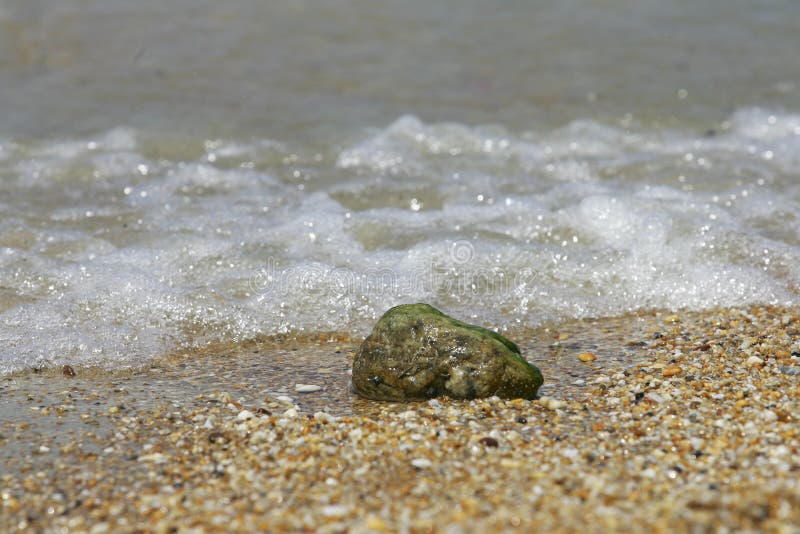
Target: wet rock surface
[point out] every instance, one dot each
(416, 352)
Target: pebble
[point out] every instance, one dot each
(376, 524)
(550, 403)
(654, 397)
(753, 361)
(334, 511)
(217, 437)
(769, 416)
(587, 357)
(244, 415)
(671, 370)
(306, 388)
(421, 463)
(570, 452)
(156, 458)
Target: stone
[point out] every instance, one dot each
(306, 388)
(753, 361)
(792, 370)
(416, 352)
(421, 463)
(244, 415)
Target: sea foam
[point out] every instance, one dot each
(120, 247)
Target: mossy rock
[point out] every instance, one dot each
(416, 352)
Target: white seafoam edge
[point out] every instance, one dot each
(507, 229)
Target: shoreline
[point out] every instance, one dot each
(683, 421)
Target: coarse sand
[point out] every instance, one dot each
(678, 422)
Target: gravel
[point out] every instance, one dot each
(640, 446)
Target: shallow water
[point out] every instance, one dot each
(264, 375)
(172, 175)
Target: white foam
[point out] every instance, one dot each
(108, 256)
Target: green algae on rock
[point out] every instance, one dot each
(416, 352)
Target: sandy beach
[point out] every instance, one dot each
(205, 208)
(683, 422)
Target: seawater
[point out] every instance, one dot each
(178, 174)
(113, 250)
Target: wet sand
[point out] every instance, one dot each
(683, 421)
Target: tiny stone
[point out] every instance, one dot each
(376, 524)
(323, 416)
(68, 371)
(752, 361)
(259, 437)
(217, 437)
(334, 511)
(587, 357)
(654, 397)
(769, 415)
(306, 388)
(551, 404)
(570, 453)
(421, 463)
(488, 442)
(244, 415)
(671, 370)
(156, 458)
